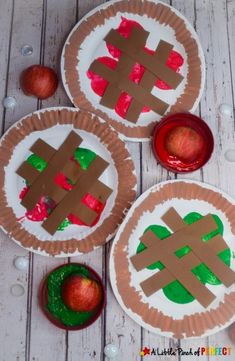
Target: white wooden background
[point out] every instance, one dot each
(25, 334)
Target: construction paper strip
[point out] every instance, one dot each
(55, 192)
(74, 197)
(173, 242)
(66, 202)
(133, 52)
(123, 68)
(148, 80)
(112, 92)
(43, 150)
(44, 183)
(71, 171)
(203, 250)
(213, 262)
(100, 191)
(158, 68)
(130, 87)
(154, 283)
(27, 172)
(157, 282)
(173, 220)
(181, 270)
(85, 214)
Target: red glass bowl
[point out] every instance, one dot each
(43, 300)
(182, 142)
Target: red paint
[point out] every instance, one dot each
(91, 203)
(23, 192)
(99, 85)
(62, 182)
(175, 145)
(39, 212)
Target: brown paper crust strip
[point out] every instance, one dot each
(153, 284)
(125, 84)
(203, 250)
(43, 150)
(133, 52)
(193, 325)
(152, 63)
(148, 80)
(72, 202)
(126, 192)
(44, 184)
(69, 201)
(160, 13)
(185, 235)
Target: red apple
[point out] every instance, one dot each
(184, 143)
(81, 294)
(39, 81)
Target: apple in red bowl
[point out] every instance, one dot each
(72, 296)
(182, 142)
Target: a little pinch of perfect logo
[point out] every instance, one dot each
(200, 351)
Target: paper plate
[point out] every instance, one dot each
(157, 313)
(53, 126)
(85, 44)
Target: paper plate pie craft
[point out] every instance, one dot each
(172, 266)
(66, 179)
(131, 62)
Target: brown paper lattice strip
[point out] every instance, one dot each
(180, 268)
(72, 202)
(42, 184)
(155, 67)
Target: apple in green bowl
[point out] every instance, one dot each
(81, 294)
(72, 296)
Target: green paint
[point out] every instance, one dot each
(55, 303)
(175, 291)
(66, 222)
(84, 157)
(37, 162)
